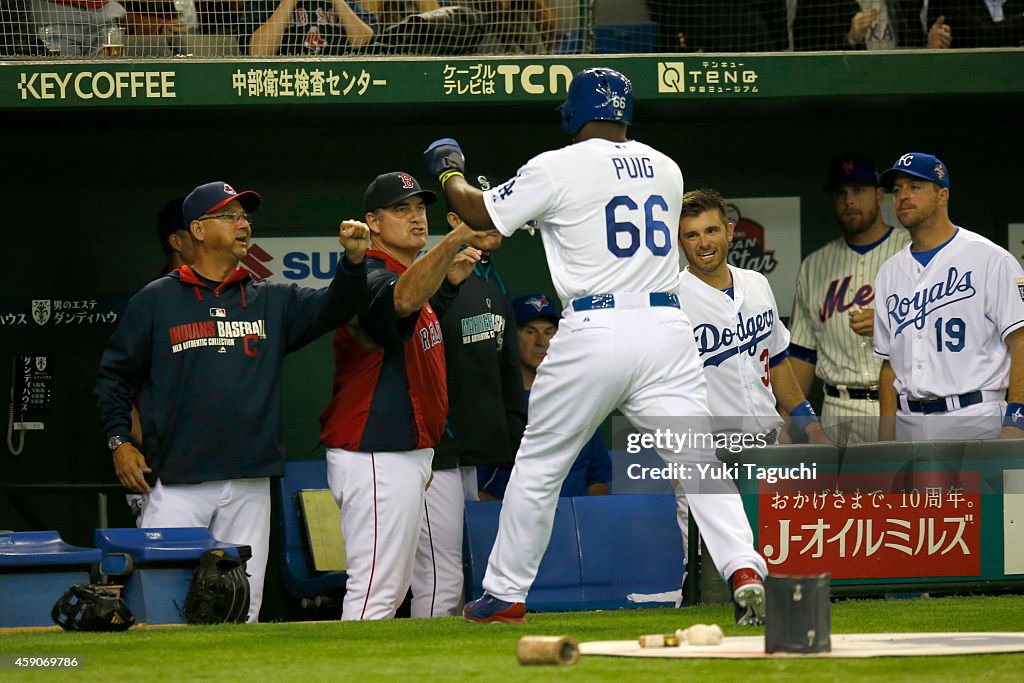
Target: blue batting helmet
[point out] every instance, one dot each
(597, 95)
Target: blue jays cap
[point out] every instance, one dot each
(852, 168)
(388, 189)
(533, 306)
(919, 165)
(212, 196)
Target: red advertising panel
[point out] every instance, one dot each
(873, 525)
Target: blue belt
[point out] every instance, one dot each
(598, 301)
(940, 405)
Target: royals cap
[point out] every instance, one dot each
(388, 189)
(212, 196)
(919, 165)
(853, 168)
(533, 306)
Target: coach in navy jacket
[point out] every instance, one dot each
(202, 348)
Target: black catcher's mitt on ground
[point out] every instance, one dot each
(219, 592)
(91, 608)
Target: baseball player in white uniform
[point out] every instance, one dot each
(833, 314)
(949, 325)
(604, 206)
(742, 342)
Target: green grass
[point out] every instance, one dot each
(451, 650)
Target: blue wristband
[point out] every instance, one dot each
(803, 415)
(1014, 415)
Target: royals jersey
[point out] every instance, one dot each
(737, 337)
(942, 326)
(607, 212)
(834, 281)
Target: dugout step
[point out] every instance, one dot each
(36, 568)
(156, 565)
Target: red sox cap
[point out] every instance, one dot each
(388, 189)
(919, 165)
(212, 196)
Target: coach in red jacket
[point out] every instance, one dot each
(390, 399)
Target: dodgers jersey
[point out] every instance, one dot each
(942, 326)
(833, 281)
(607, 211)
(737, 339)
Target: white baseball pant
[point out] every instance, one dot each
(979, 421)
(849, 421)
(644, 361)
(236, 511)
(381, 499)
(437, 576)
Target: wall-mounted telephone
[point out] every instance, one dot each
(31, 394)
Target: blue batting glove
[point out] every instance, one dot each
(444, 157)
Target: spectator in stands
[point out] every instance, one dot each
(75, 28)
(516, 26)
(720, 26)
(305, 27)
(537, 321)
(865, 25)
(153, 18)
(486, 418)
(390, 401)
(981, 23)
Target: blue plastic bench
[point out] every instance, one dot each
(557, 588)
(602, 549)
(36, 568)
(156, 566)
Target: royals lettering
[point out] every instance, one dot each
(905, 311)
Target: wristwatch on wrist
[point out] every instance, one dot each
(115, 441)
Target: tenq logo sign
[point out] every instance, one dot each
(305, 261)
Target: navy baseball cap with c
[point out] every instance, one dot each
(852, 168)
(919, 165)
(388, 189)
(533, 306)
(212, 196)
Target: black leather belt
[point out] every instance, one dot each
(860, 394)
(941, 405)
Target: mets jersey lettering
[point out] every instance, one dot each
(835, 281)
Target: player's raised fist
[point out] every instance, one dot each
(354, 237)
(444, 156)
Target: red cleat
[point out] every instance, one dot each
(748, 592)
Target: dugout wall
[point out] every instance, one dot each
(93, 149)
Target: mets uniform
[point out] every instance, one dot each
(607, 213)
(942, 327)
(833, 281)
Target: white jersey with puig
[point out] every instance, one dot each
(736, 338)
(834, 281)
(607, 212)
(943, 326)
